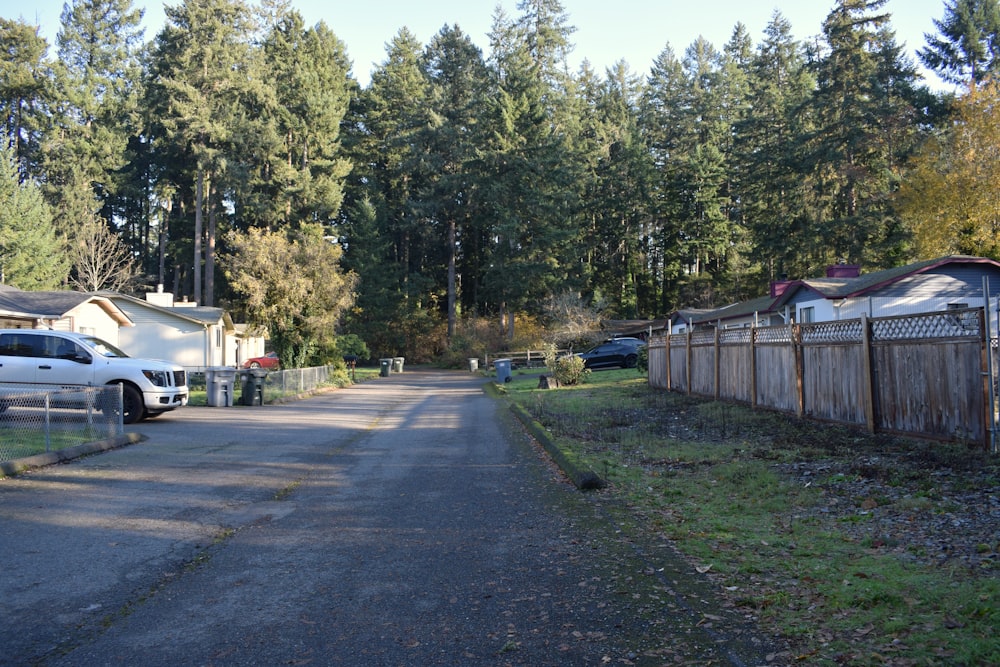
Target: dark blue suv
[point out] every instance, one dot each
(615, 352)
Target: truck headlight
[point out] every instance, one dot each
(158, 378)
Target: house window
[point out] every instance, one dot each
(957, 306)
(807, 315)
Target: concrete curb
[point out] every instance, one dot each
(584, 479)
(17, 466)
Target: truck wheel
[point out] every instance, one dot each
(133, 409)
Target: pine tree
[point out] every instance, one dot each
(380, 227)
(290, 148)
(97, 81)
(457, 74)
(201, 65)
(621, 196)
(24, 91)
(774, 188)
(32, 256)
(864, 91)
(528, 193)
(664, 123)
(967, 49)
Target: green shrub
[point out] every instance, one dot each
(569, 369)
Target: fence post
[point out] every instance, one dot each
(985, 341)
(753, 366)
(689, 361)
(668, 361)
(868, 373)
(718, 363)
(795, 334)
(48, 420)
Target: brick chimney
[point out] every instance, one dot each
(778, 287)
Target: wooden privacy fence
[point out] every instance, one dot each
(925, 375)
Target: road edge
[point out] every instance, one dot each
(17, 466)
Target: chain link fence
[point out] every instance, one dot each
(258, 386)
(35, 419)
(278, 384)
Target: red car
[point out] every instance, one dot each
(269, 360)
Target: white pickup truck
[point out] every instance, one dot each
(62, 358)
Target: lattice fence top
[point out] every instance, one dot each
(778, 334)
(844, 331)
(735, 336)
(965, 323)
(948, 324)
(703, 337)
(658, 341)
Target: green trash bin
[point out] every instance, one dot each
(385, 367)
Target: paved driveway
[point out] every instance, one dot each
(404, 521)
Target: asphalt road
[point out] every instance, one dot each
(404, 521)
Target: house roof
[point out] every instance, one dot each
(54, 305)
(628, 327)
(844, 288)
(204, 315)
(832, 288)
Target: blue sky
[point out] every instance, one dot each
(633, 30)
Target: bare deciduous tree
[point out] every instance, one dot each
(101, 261)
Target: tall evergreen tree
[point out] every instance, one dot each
(773, 195)
(32, 256)
(381, 225)
(621, 197)
(24, 91)
(528, 192)
(97, 81)
(967, 48)
(664, 121)
(864, 86)
(201, 65)
(457, 76)
(290, 166)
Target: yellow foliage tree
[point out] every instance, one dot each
(951, 197)
(290, 286)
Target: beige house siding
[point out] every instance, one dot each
(160, 335)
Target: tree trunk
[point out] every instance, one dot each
(198, 205)
(452, 289)
(209, 299)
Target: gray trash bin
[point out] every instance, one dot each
(397, 364)
(385, 367)
(473, 365)
(219, 385)
(503, 370)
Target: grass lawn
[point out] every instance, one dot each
(825, 535)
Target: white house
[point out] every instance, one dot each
(955, 281)
(929, 286)
(195, 337)
(63, 310)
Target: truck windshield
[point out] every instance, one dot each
(104, 348)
